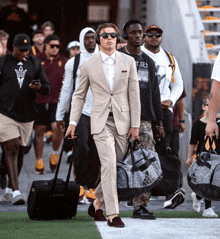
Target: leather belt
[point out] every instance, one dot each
(110, 114)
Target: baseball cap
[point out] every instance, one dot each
(73, 44)
(22, 41)
(153, 27)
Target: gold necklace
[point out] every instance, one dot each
(130, 53)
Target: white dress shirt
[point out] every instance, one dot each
(108, 63)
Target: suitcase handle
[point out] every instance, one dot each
(58, 166)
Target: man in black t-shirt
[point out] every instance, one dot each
(17, 101)
(151, 109)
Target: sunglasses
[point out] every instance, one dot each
(157, 35)
(206, 104)
(112, 35)
(53, 45)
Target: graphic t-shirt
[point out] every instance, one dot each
(16, 97)
(149, 89)
(198, 135)
(168, 89)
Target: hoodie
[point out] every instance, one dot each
(67, 87)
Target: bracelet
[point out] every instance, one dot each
(181, 121)
(160, 127)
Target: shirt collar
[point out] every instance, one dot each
(105, 56)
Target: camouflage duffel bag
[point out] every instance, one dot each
(204, 176)
(139, 172)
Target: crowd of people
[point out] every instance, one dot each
(104, 93)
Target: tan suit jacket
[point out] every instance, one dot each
(124, 99)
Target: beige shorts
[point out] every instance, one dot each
(11, 129)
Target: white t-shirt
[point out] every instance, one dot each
(168, 89)
(216, 69)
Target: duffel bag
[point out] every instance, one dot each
(172, 175)
(139, 172)
(204, 175)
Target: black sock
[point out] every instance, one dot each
(207, 204)
(198, 197)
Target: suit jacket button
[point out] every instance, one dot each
(109, 107)
(111, 94)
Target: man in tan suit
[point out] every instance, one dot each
(115, 116)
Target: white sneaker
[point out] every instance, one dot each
(209, 213)
(196, 203)
(7, 197)
(18, 200)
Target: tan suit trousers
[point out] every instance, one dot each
(111, 148)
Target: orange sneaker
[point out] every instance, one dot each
(81, 193)
(39, 167)
(48, 137)
(91, 195)
(53, 161)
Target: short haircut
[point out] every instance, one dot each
(107, 25)
(4, 34)
(130, 22)
(47, 24)
(37, 32)
(50, 38)
(206, 100)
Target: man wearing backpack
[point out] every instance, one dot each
(86, 160)
(171, 88)
(21, 76)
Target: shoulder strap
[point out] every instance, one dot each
(172, 64)
(34, 50)
(36, 62)
(75, 67)
(2, 62)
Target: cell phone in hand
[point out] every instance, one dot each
(35, 81)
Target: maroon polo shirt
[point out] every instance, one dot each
(54, 70)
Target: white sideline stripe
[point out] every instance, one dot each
(163, 228)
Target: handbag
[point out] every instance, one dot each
(204, 174)
(139, 172)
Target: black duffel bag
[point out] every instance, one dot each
(139, 172)
(172, 175)
(204, 174)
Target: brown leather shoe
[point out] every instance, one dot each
(97, 215)
(116, 222)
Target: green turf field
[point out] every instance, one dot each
(18, 225)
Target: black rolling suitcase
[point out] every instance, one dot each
(53, 199)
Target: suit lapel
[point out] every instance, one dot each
(100, 71)
(118, 68)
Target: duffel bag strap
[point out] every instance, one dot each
(209, 144)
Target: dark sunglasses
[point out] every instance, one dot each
(206, 104)
(53, 45)
(157, 35)
(112, 35)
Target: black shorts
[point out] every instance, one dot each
(46, 114)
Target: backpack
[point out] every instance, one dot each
(75, 67)
(172, 64)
